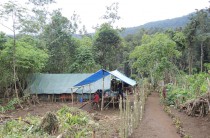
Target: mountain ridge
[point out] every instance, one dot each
(172, 23)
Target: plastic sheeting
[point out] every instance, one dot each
(64, 83)
(102, 73)
(69, 83)
(93, 87)
(123, 78)
(93, 78)
(54, 83)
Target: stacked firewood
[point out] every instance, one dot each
(197, 107)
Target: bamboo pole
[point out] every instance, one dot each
(102, 101)
(135, 110)
(90, 94)
(121, 118)
(113, 102)
(94, 134)
(72, 97)
(124, 117)
(127, 116)
(82, 93)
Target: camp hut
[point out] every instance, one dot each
(100, 75)
(54, 87)
(85, 92)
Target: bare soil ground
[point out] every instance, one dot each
(196, 127)
(107, 119)
(156, 123)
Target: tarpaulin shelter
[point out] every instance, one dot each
(54, 83)
(63, 83)
(101, 74)
(93, 78)
(123, 78)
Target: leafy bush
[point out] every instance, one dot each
(10, 105)
(187, 87)
(76, 121)
(19, 128)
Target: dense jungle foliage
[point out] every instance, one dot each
(43, 41)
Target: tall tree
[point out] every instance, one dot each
(84, 59)
(179, 37)
(203, 30)
(5, 72)
(190, 32)
(111, 14)
(59, 42)
(106, 47)
(14, 12)
(154, 57)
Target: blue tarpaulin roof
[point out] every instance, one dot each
(93, 78)
(103, 73)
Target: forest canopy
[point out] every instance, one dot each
(44, 42)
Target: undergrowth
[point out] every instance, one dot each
(73, 122)
(10, 105)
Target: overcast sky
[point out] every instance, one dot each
(132, 12)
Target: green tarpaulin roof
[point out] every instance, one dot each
(64, 83)
(54, 83)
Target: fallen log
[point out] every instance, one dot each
(84, 105)
(4, 119)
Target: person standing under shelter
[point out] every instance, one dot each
(120, 90)
(96, 100)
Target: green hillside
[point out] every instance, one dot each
(164, 24)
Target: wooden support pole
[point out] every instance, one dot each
(94, 134)
(102, 101)
(113, 102)
(108, 103)
(90, 93)
(72, 97)
(82, 93)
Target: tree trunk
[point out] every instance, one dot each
(202, 54)
(14, 60)
(190, 60)
(102, 100)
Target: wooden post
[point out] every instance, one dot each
(122, 86)
(90, 93)
(72, 97)
(94, 134)
(121, 118)
(82, 93)
(113, 102)
(102, 101)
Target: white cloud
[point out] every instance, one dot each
(132, 12)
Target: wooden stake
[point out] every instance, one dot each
(94, 134)
(82, 93)
(72, 97)
(90, 93)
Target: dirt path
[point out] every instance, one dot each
(195, 127)
(156, 123)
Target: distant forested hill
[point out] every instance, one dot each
(164, 24)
